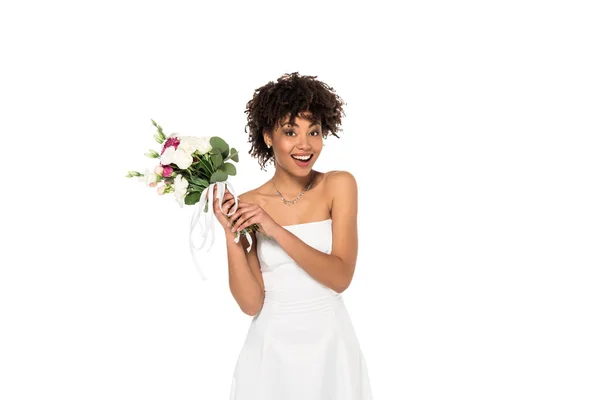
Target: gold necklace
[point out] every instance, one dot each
(290, 202)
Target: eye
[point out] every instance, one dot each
(317, 132)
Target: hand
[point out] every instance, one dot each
(228, 203)
(248, 214)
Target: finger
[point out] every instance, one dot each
(249, 222)
(245, 208)
(223, 207)
(243, 221)
(228, 206)
(222, 199)
(242, 207)
(216, 203)
(249, 210)
(243, 204)
(225, 194)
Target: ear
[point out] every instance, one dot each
(267, 137)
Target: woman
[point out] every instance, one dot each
(301, 344)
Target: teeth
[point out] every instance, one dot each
(303, 158)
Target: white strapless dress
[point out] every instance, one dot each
(302, 345)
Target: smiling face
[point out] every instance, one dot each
(304, 137)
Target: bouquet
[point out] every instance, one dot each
(189, 168)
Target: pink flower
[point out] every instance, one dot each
(172, 141)
(160, 189)
(152, 184)
(158, 170)
(167, 171)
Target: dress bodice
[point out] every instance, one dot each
(282, 276)
(316, 234)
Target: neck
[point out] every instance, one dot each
(291, 184)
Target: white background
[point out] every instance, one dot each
(471, 128)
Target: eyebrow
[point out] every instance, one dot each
(313, 124)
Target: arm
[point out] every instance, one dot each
(333, 270)
(245, 279)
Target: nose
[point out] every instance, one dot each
(303, 142)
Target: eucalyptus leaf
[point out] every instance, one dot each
(199, 181)
(205, 166)
(234, 155)
(217, 160)
(218, 176)
(196, 188)
(219, 143)
(224, 154)
(229, 168)
(192, 198)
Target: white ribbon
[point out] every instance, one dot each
(207, 226)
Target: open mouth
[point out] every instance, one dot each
(303, 163)
(305, 160)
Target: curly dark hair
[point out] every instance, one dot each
(292, 94)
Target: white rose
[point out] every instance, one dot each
(191, 144)
(203, 145)
(177, 156)
(183, 159)
(187, 144)
(180, 184)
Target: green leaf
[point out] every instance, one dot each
(219, 143)
(196, 188)
(152, 154)
(205, 166)
(199, 181)
(192, 198)
(218, 176)
(234, 155)
(229, 168)
(160, 137)
(217, 160)
(224, 154)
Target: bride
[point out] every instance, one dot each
(301, 344)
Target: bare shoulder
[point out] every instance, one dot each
(340, 181)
